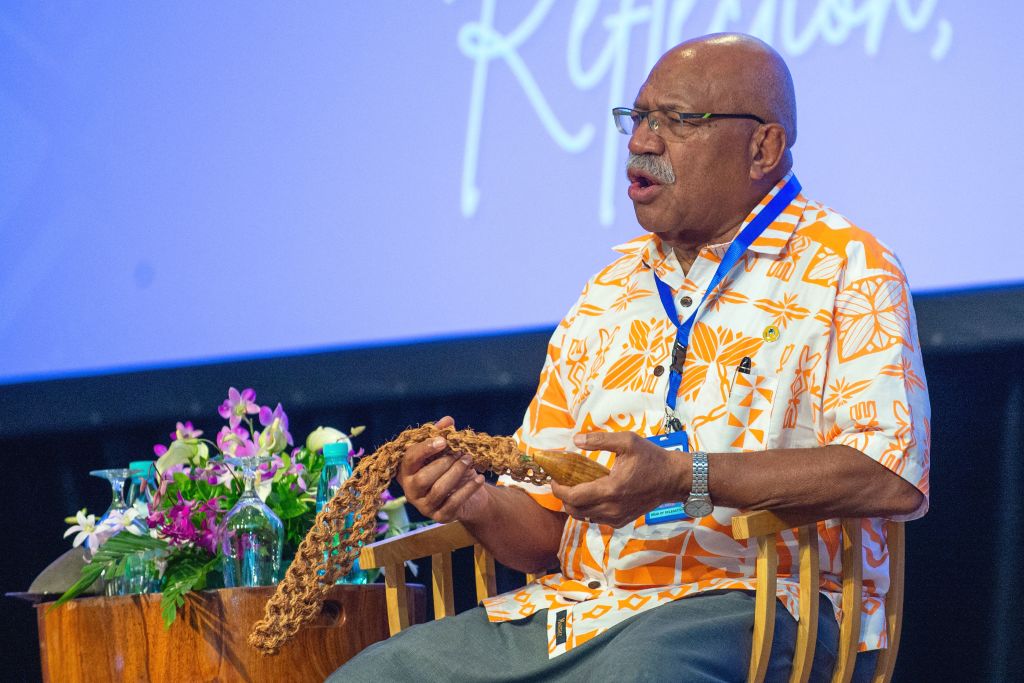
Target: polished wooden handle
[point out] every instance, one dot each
(569, 469)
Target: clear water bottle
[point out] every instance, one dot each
(337, 470)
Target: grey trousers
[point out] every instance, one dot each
(704, 638)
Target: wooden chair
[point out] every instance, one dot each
(440, 540)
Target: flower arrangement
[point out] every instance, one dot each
(179, 519)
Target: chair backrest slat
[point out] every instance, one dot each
(849, 626)
(807, 627)
(764, 608)
(895, 540)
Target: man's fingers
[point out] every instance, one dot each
(447, 483)
(581, 495)
(419, 454)
(466, 488)
(617, 442)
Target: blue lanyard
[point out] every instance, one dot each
(739, 246)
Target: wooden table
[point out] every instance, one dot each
(123, 638)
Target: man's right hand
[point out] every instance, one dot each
(440, 483)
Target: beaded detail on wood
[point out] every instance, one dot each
(321, 560)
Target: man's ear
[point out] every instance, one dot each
(767, 150)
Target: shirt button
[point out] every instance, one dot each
(594, 584)
(658, 371)
(686, 302)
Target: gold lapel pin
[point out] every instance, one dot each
(770, 334)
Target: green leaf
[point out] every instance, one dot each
(111, 555)
(186, 571)
(286, 503)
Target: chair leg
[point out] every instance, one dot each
(483, 566)
(444, 592)
(396, 597)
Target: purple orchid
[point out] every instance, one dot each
(209, 532)
(184, 431)
(235, 442)
(268, 418)
(267, 470)
(159, 449)
(238, 405)
(179, 528)
(218, 473)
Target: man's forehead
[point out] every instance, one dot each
(678, 89)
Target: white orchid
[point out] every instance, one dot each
(126, 519)
(89, 532)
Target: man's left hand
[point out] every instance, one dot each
(643, 477)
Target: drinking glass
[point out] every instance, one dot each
(252, 536)
(117, 477)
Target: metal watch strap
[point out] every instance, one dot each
(699, 487)
(698, 503)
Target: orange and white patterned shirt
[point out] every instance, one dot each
(844, 368)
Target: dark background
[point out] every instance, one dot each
(963, 613)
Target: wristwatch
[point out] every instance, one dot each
(698, 503)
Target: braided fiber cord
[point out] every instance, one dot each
(330, 549)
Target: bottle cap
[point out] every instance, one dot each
(336, 453)
(141, 469)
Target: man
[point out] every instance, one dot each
(758, 333)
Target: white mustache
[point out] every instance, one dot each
(655, 166)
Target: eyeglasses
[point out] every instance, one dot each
(667, 123)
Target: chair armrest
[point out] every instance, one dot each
(764, 522)
(412, 545)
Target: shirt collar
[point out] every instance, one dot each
(650, 251)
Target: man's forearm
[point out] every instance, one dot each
(825, 482)
(517, 531)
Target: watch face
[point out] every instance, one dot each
(698, 507)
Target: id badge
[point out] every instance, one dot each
(668, 512)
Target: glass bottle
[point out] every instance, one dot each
(337, 470)
(252, 536)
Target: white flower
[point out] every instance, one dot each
(92, 534)
(273, 439)
(119, 520)
(325, 435)
(263, 486)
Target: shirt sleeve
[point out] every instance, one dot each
(549, 423)
(874, 396)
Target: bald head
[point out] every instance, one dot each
(739, 74)
(721, 167)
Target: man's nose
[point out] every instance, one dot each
(644, 140)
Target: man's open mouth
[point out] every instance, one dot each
(641, 180)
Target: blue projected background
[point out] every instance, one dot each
(188, 181)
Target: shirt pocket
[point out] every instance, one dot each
(742, 418)
(748, 412)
